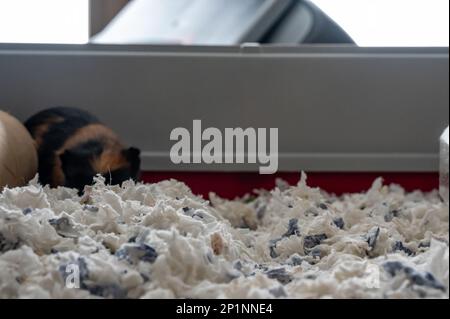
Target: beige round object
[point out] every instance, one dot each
(18, 156)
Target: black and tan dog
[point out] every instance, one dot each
(73, 146)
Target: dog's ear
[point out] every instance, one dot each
(133, 154)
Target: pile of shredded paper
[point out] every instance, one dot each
(161, 241)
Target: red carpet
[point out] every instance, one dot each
(230, 185)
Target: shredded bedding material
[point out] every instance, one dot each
(161, 241)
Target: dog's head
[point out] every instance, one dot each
(82, 163)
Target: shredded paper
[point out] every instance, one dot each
(161, 241)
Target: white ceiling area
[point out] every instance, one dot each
(391, 22)
(44, 21)
(368, 22)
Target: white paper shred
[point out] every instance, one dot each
(161, 241)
